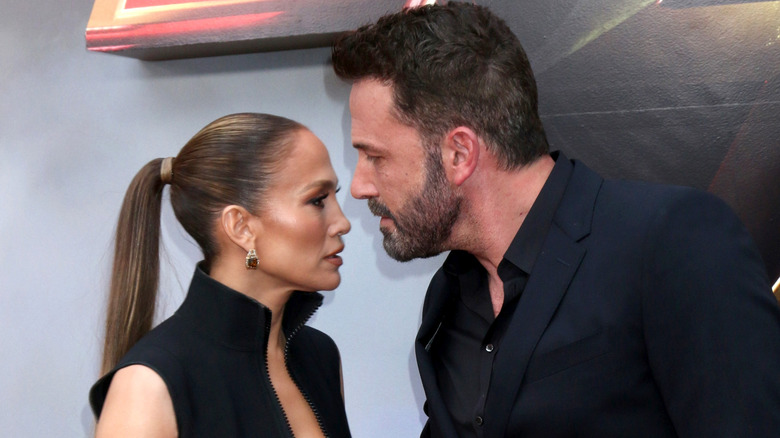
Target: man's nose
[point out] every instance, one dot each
(362, 187)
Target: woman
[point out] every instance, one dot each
(257, 193)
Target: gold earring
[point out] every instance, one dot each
(251, 259)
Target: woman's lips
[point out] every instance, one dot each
(335, 259)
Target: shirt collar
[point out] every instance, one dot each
(527, 243)
(529, 239)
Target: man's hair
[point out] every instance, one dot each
(449, 66)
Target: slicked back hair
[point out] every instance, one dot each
(232, 160)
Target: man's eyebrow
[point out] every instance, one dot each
(364, 147)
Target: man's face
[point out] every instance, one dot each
(403, 184)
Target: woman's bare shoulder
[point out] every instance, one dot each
(137, 404)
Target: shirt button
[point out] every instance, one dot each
(478, 420)
(489, 348)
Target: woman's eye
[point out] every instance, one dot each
(319, 201)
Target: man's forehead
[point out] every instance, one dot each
(371, 92)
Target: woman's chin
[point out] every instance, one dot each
(332, 284)
(326, 284)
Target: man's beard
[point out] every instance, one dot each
(424, 222)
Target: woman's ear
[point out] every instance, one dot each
(460, 154)
(237, 224)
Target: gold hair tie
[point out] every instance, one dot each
(166, 170)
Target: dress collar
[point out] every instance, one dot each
(236, 320)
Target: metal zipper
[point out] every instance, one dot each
(268, 374)
(292, 376)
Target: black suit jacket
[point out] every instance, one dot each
(647, 314)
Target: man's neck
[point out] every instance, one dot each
(497, 203)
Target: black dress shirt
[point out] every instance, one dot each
(471, 335)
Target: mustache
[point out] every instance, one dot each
(379, 209)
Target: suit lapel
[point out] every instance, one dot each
(434, 312)
(553, 272)
(544, 291)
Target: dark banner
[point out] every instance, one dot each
(681, 92)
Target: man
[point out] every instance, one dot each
(569, 305)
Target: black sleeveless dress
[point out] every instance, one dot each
(211, 354)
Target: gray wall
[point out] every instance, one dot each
(74, 128)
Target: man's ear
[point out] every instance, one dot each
(460, 154)
(236, 224)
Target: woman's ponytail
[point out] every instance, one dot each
(136, 270)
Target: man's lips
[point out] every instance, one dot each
(385, 221)
(379, 209)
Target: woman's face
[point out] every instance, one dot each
(301, 224)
